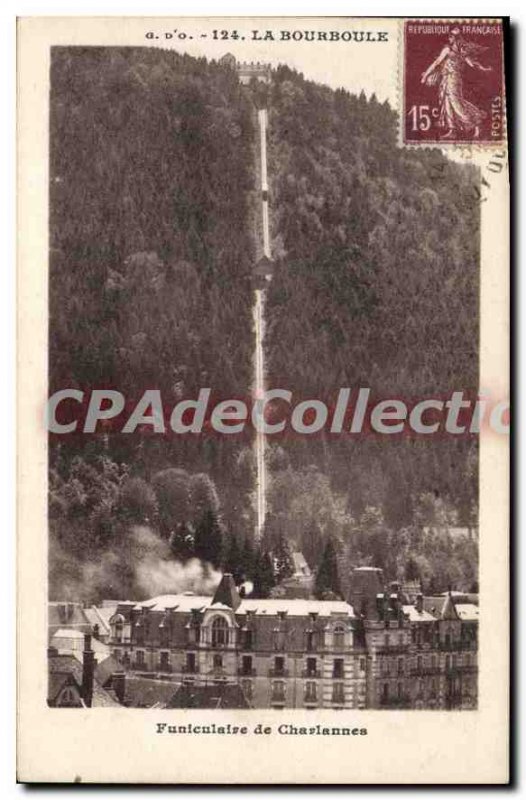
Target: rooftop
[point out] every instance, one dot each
(63, 669)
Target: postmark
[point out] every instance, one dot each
(453, 83)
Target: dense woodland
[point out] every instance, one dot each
(152, 197)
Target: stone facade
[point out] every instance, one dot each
(377, 651)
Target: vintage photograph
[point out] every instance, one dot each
(225, 233)
(263, 400)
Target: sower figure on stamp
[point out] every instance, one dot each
(456, 113)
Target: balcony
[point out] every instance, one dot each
(246, 672)
(311, 673)
(278, 673)
(164, 667)
(396, 702)
(421, 672)
(189, 669)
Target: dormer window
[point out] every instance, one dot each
(339, 637)
(219, 632)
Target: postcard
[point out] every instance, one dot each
(263, 393)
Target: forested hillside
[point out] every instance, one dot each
(377, 286)
(151, 169)
(152, 198)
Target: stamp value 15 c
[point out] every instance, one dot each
(453, 82)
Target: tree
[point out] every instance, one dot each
(208, 541)
(202, 496)
(412, 573)
(182, 542)
(263, 576)
(247, 557)
(233, 559)
(172, 487)
(137, 502)
(327, 580)
(283, 563)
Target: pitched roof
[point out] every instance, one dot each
(227, 695)
(296, 607)
(63, 669)
(71, 642)
(68, 615)
(100, 616)
(226, 593)
(448, 609)
(417, 616)
(106, 668)
(467, 612)
(147, 692)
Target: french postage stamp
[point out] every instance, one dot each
(453, 82)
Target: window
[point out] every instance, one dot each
(190, 665)
(248, 689)
(218, 661)
(311, 669)
(278, 691)
(140, 658)
(400, 666)
(279, 665)
(192, 633)
(362, 665)
(385, 693)
(339, 637)
(338, 693)
(164, 635)
(248, 640)
(399, 691)
(337, 670)
(139, 633)
(69, 699)
(246, 665)
(219, 632)
(419, 664)
(164, 662)
(310, 692)
(386, 640)
(309, 641)
(118, 631)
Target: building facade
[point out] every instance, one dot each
(377, 651)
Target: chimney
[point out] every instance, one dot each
(88, 667)
(419, 603)
(96, 631)
(118, 684)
